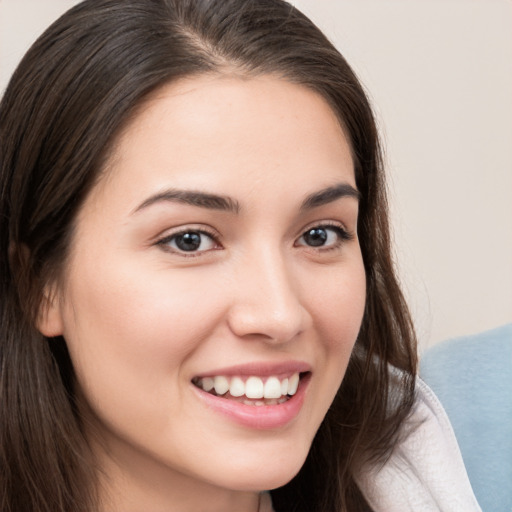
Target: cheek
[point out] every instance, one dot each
(131, 335)
(338, 302)
(128, 324)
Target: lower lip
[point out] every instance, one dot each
(261, 417)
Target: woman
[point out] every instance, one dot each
(198, 297)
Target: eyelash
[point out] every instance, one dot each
(342, 236)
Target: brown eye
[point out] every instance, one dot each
(316, 237)
(323, 236)
(189, 242)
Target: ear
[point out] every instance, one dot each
(49, 318)
(49, 321)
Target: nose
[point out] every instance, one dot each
(267, 300)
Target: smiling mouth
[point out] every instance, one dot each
(252, 390)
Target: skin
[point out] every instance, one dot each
(142, 318)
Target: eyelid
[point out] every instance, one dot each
(327, 224)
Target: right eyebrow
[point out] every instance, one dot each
(194, 198)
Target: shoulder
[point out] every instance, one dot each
(425, 470)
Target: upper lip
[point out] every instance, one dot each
(260, 369)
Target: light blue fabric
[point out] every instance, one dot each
(472, 377)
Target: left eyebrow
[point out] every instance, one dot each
(330, 194)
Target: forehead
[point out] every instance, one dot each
(228, 131)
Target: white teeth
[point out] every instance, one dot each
(272, 388)
(284, 387)
(254, 388)
(293, 384)
(237, 387)
(221, 385)
(207, 384)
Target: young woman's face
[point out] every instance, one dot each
(220, 248)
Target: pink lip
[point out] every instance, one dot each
(261, 417)
(260, 369)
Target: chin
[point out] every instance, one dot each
(267, 474)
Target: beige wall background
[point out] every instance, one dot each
(439, 73)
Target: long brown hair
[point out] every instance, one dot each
(70, 96)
